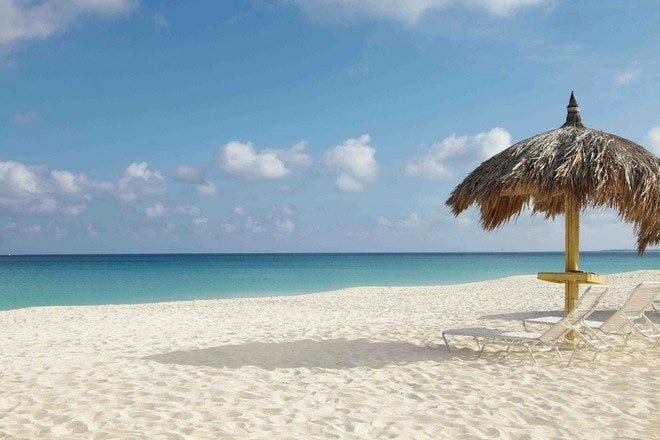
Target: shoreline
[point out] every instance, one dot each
(322, 292)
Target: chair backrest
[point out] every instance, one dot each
(585, 306)
(639, 300)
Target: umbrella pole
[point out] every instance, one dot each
(572, 252)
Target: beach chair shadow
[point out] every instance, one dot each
(598, 315)
(308, 353)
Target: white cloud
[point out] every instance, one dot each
(412, 220)
(74, 210)
(406, 11)
(189, 174)
(357, 159)
(253, 225)
(22, 20)
(285, 226)
(188, 210)
(200, 221)
(32, 189)
(156, 211)
(456, 150)
(161, 23)
(195, 176)
(347, 183)
(296, 155)
(240, 159)
(18, 180)
(626, 77)
(25, 117)
(13, 229)
(286, 210)
(137, 179)
(384, 221)
(654, 139)
(69, 182)
(227, 227)
(207, 189)
(239, 210)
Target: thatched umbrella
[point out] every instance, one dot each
(562, 171)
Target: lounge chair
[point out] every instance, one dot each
(551, 339)
(629, 320)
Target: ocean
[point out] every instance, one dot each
(39, 280)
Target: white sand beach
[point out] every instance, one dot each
(352, 363)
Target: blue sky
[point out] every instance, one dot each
(291, 125)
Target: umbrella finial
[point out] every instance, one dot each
(573, 117)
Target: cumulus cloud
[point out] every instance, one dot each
(654, 140)
(357, 161)
(74, 210)
(405, 11)
(200, 221)
(253, 225)
(22, 20)
(296, 155)
(32, 189)
(155, 211)
(13, 229)
(227, 227)
(412, 220)
(457, 151)
(188, 210)
(25, 117)
(285, 210)
(285, 226)
(136, 180)
(207, 189)
(69, 182)
(240, 159)
(626, 77)
(189, 174)
(195, 177)
(346, 182)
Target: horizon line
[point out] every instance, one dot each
(316, 253)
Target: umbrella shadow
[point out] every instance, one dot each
(308, 353)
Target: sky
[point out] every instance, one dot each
(300, 125)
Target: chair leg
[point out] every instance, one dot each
(625, 340)
(446, 341)
(482, 349)
(572, 355)
(531, 353)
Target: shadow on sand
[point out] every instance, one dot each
(598, 315)
(328, 353)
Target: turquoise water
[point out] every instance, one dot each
(111, 279)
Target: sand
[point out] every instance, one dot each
(353, 363)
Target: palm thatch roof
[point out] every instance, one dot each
(597, 168)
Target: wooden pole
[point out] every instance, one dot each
(572, 251)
